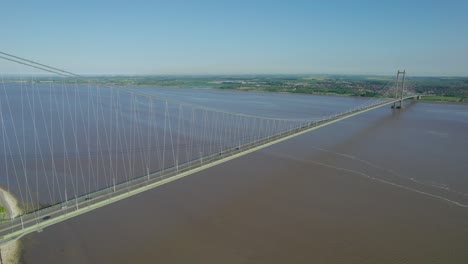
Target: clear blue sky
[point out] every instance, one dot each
(211, 37)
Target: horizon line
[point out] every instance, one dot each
(231, 74)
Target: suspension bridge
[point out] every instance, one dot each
(71, 144)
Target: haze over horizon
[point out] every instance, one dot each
(219, 37)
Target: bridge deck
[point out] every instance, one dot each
(36, 221)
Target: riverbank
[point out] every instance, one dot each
(443, 99)
(10, 251)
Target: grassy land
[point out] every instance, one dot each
(3, 213)
(447, 99)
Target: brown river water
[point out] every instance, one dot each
(382, 187)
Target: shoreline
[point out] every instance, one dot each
(10, 251)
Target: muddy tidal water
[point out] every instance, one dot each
(382, 187)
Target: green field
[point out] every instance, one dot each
(3, 213)
(448, 99)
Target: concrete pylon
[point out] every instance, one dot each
(402, 89)
(399, 92)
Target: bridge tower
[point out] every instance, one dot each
(400, 83)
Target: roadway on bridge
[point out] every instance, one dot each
(38, 220)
